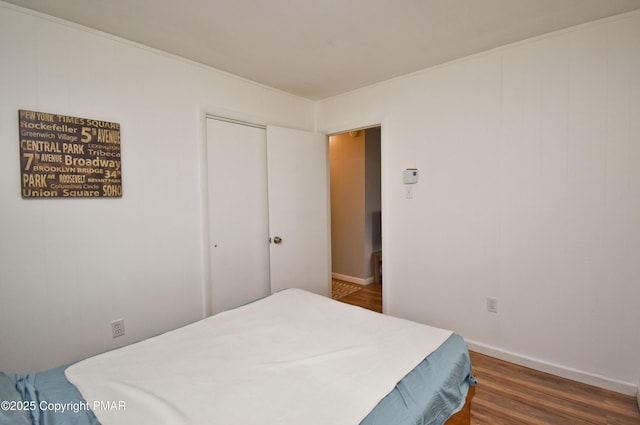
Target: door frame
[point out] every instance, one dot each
(362, 125)
(205, 112)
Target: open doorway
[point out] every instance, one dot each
(356, 217)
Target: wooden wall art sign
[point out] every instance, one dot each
(68, 157)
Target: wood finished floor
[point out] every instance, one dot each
(508, 394)
(369, 297)
(512, 394)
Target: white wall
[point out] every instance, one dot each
(529, 191)
(70, 267)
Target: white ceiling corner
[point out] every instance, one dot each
(317, 49)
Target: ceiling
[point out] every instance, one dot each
(320, 48)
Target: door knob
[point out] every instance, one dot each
(277, 239)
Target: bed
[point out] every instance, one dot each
(291, 358)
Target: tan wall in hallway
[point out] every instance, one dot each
(355, 199)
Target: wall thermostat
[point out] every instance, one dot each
(410, 176)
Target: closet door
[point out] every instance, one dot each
(238, 214)
(299, 210)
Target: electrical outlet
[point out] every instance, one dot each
(117, 328)
(408, 191)
(492, 305)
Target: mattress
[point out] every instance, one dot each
(432, 390)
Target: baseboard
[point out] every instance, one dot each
(352, 279)
(558, 370)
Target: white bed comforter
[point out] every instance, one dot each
(292, 358)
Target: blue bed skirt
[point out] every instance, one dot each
(433, 391)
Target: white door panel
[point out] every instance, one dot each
(238, 214)
(298, 210)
